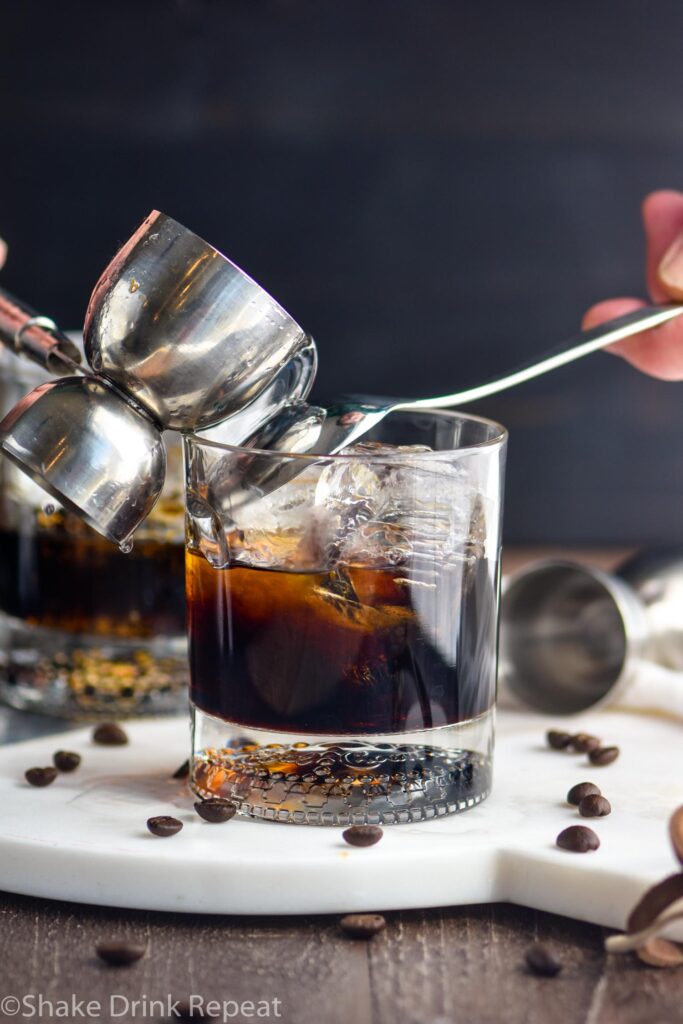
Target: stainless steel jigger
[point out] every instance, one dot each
(178, 338)
(573, 637)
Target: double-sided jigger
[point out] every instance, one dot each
(178, 338)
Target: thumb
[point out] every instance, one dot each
(670, 270)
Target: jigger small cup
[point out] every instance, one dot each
(91, 450)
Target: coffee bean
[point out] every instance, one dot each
(362, 835)
(603, 755)
(557, 739)
(183, 771)
(578, 839)
(580, 790)
(540, 961)
(676, 832)
(594, 806)
(66, 760)
(362, 926)
(119, 954)
(583, 743)
(215, 810)
(40, 776)
(109, 734)
(164, 825)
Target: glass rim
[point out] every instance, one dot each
(498, 440)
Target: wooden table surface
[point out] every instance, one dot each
(463, 965)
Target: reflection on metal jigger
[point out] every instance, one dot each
(573, 637)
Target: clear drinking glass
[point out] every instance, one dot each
(343, 626)
(86, 630)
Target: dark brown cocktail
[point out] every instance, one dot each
(342, 633)
(347, 652)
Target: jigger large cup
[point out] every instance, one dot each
(184, 331)
(178, 338)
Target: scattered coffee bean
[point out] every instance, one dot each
(676, 832)
(40, 776)
(580, 790)
(183, 771)
(557, 739)
(661, 953)
(215, 810)
(603, 755)
(109, 734)
(362, 926)
(583, 743)
(541, 961)
(119, 954)
(362, 835)
(66, 760)
(578, 839)
(594, 806)
(164, 825)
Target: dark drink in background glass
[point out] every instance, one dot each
(58, 573)
(86, 630)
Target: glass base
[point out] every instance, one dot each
(90, 677)
(341, 780)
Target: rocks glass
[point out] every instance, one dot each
(86, 630)
(343, 626)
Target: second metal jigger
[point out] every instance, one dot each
(573, 637)
(178, 338)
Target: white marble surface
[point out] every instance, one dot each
(84, 838)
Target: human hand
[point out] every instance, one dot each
(658, 351)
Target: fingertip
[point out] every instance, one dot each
(609, 309)
(661, 202)
(657, 352)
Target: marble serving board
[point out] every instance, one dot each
(84, 838)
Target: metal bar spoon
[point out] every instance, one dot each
(312, 430)
(341, 428)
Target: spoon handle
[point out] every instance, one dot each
(577, 347)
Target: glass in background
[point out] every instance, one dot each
(87, 630)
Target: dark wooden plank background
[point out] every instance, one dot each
(436, 189)
(455, 965)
